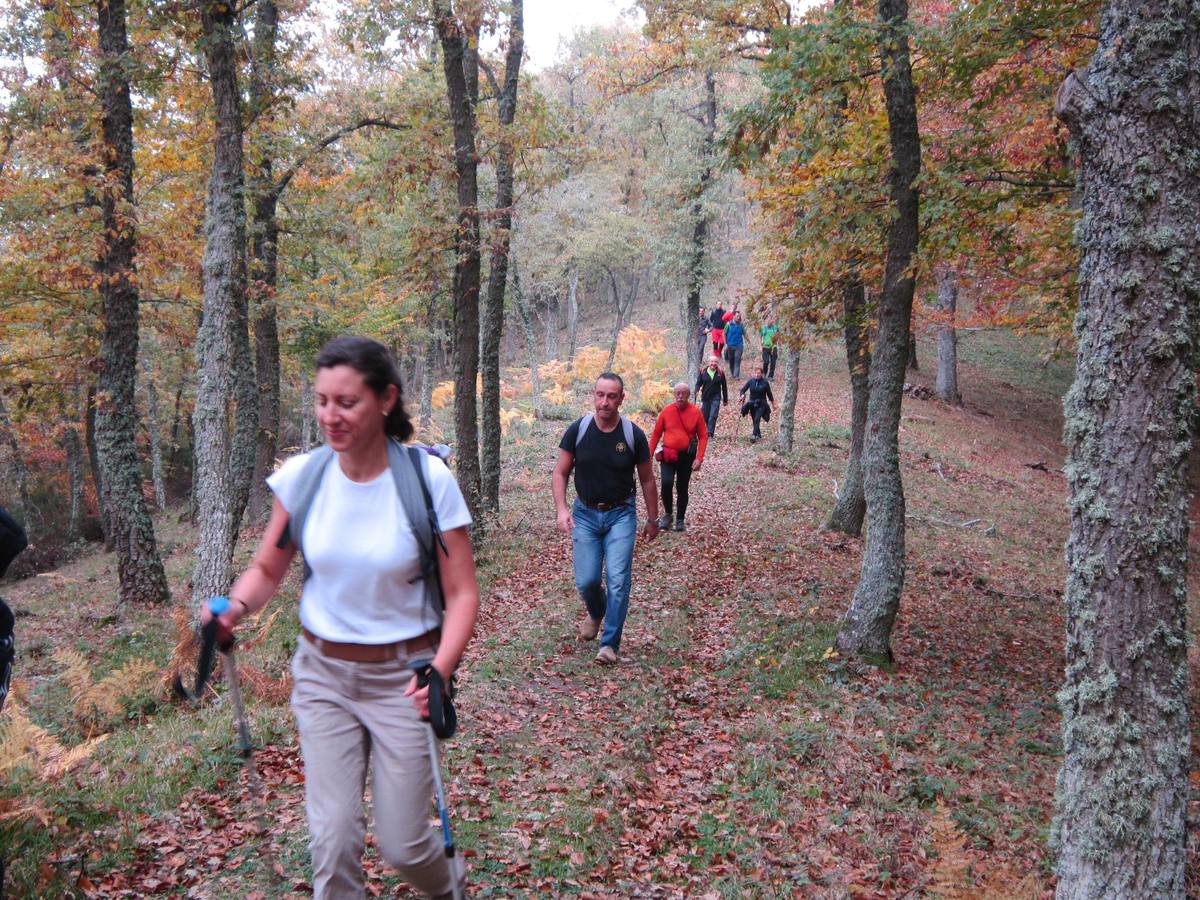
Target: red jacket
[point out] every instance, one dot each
(677, 428)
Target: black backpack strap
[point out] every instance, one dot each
(307, 484)
(8, 649)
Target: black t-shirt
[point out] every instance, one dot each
(716, 318)
(604, 465)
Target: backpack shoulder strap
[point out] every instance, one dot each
(584, 423)
(412, 487)
(627, 427)
(307, 483)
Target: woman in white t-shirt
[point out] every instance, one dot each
(365, 621)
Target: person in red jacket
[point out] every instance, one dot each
(684, 436)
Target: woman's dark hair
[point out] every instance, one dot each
(375, 364)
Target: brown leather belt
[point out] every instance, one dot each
(374, 652)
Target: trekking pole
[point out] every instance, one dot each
(443, 722)
(212, 635)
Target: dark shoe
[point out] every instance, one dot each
(589, 628)
(679, 525)
(754, 439)
(664, 522)
(607, 656)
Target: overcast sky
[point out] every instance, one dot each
(548, 21)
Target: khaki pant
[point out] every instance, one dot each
(347, 713)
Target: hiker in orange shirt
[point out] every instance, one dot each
(684, 436)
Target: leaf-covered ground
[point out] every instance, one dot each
(729, 755)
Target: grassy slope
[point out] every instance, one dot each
(729, 755)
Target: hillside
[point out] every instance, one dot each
(731, 754)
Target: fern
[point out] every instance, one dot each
(952, 869)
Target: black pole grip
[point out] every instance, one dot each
(442, 717)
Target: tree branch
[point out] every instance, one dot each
(332, 138)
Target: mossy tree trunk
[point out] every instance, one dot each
(139, 567)
(224, 280)
(1121, 829)
(787, 408)
(851, 505)
(460, 65)
(493, 312)
(866, 629)
(946, 386)
(697, 267)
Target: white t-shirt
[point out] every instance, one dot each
(360, 546)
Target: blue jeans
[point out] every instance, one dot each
(604, 540)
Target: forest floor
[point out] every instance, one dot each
(730, 754)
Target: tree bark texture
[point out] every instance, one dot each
(1121, 829)
(20, 474)
(263, 263)
(493, 311)
(866, 628)
(139, 567)
(696, 264)
(224, 281)
(89, 432)
(531, 346)
(461, 68)
(152, 432)
(572, 313)
(787, 409)
(946, 385)
(851, 505)
(70, 443)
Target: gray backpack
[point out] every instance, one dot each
(626, 426)
(408, 465)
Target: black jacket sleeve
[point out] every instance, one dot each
(770, 396)
(724, 389)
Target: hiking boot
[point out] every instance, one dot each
(679, 525)
(754, 438)
(607, 656)
(664, 522)
(589, 628)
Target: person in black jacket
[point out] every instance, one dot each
(713, 390)
(758, 406)
(716, 322)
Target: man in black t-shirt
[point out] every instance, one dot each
(605, 450)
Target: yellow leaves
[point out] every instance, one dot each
(509, 416)
(443, 394)
(654, 396)
(96, 700)
(24, 743)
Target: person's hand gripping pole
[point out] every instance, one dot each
(443, 721)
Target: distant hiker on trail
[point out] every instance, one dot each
(684, 434)
(758, 406)
(369, 612)
(716, 324)
(712, 390)
(735, 340)
(605, 449)
(770, 352)
(702, 329)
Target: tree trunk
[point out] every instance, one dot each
(224, 282)
(572, 313)
(308, 424)
(139, 567)
(947, 338)
(912, 351)
(461, 68)
(696, 265)
(530, 344)
(1122, 797)
(94, 463)
(553, 323)
(623, 310)
(493, 313)
(74, 452)
(263, 262)
(20, 474)
(851, 505)
(151, 423)
(787, 407)
(866, 628)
